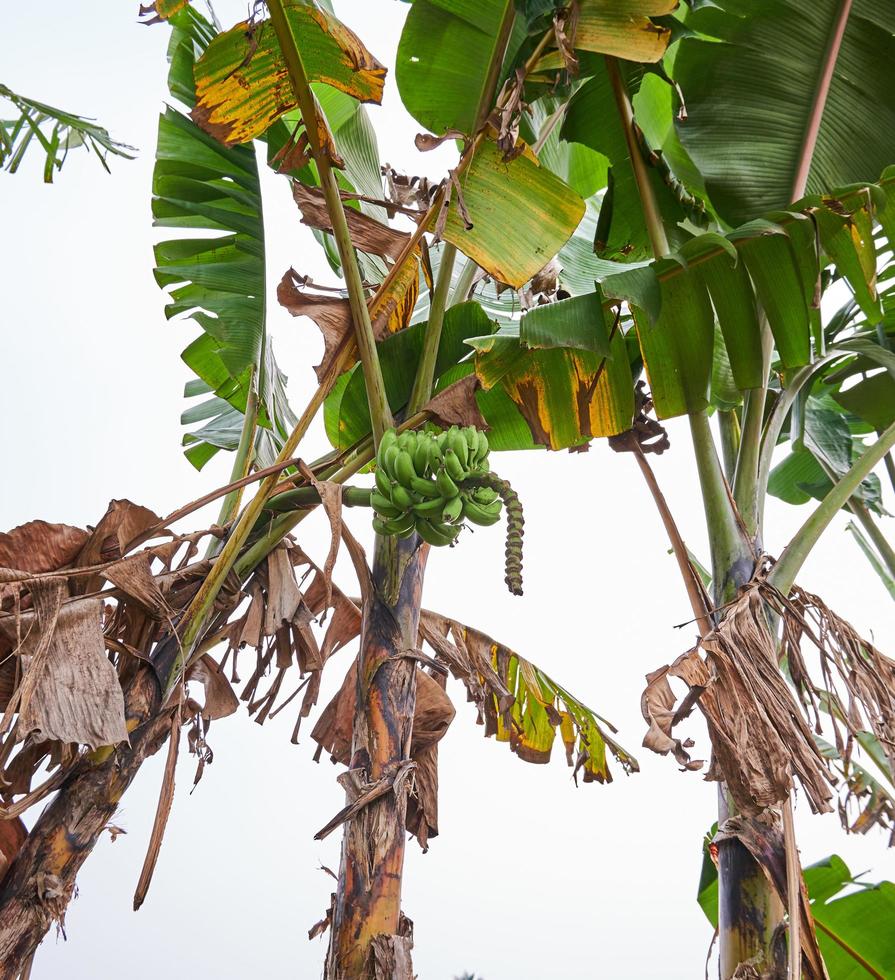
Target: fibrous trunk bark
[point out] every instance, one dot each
(749, 911)
(39, 885)
(370, 938)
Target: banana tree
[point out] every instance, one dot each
(631, 250)
(164, 620)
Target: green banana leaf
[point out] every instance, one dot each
(55, 131)
(219, 282)
(749, 98)
(346, 411)
(444, 59)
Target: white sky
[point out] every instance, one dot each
(530, 877)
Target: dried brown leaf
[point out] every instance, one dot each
(283, 593)
(457, 405)
(41, 547)
(70, 691)
(134, 577)
(220, 698)
(331, 499)
(367, 234)
(163, 810)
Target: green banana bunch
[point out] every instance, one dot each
(418, 483)
(431, 482)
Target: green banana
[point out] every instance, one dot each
(484, 495)
(453, 466)
(435, 457)
(384, 506)
(435, 534)
(430, 508)
(402, 526)
(404, 471)
(453, 510)
(383, 483)
(483, 516)
(389, 458)
(445, 484)
(421, 453)
(471, 435)
(457, 443)
(483, 447)
(401, 497)
(425, 488)
(389, 438)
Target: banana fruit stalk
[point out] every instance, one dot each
(432, 482)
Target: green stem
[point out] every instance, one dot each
(729, 427)
(242, 463)
(745, 479)
(654, 226)
(425, 372)
(460, 292)
(731, 554)
(489, 89)
(380, 413)
(784, 573)
(874, 532)
(309, 497)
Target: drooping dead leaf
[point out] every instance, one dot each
(367, 234)
(242, 82)
(521, 705)
(331, 499)
(283, 593)
(390, 309)
(75, 695)
(332, 314)
(760, 737)
(457, 405)
(41, 547)
(220, 698)
(163, 810)
(134, 577)
(658, 706)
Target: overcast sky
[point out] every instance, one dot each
(531, 877)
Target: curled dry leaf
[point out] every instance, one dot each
(456, 404)
(134, 577)
(41, 547)
(220, 699)
(367, 234)
(390, 310)
(331, 499)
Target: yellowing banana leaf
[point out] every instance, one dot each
(623, 28)
(566, 396)
(242, 84)
(521, 214)
(160, 10)
(520, 704)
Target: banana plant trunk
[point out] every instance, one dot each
(370, 938)
(39, 884)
